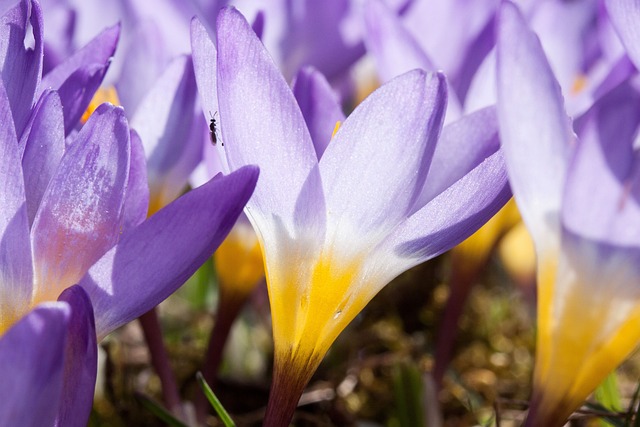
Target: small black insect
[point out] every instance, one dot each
(212, 128)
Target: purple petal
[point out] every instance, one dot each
(155, 258)
(78, 90)
(164, 121)
(80, 75)
(482, 90)
(535, 131)
(475, 55)
(321, 34)
(31, 367)
(15, 247)
(43, 150)
(464, 144)
(80, 216)
(453, 215)
(447, 29)
(263, 125)
(136, 204)
(21, 67)
(374, 169)
(61, 23)
(205, 66)
(602, 193)
(394, 48)
(625, 15)
(80, 361)
(97, 52)
(620, 71)
(319, 105)
(258, 24)
(144, 61)
(564, 29)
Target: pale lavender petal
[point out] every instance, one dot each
(621, 71)
(80, 361)
(476, 53)
(482, 89)
(15, 248)
(602, 193)
(205, 66)
(97, 52)
(463, 145)
(144, 61)
(263, 125)
(80, 216)
(319, 105)
(31, 367)
(535, 131)
(21, 66)
(387, 143)
(43, 150)
(58, 44)
(394, 48)
(564, 29)
(77, 91)
(625, 15)
(323, 34)
(136, 204)
(165, 122)
(453, 215)
(211, 163)
(155, 258)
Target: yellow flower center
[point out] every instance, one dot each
(102, 95)
(238, 260)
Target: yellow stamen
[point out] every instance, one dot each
(579, 84)
(239, 260)
(475, 251)
(102, 95)
(335, 129)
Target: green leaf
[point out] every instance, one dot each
(159, 411)
(632, 409)
(407, 393)
(608, 396)
(222, 413)
(607, 393)
(613, 420)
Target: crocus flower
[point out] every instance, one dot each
(578, 196)
(73, 212)
(335, 230)
(585, 54)
(77, 230)
(48, 363)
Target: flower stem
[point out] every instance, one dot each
(160, 361)
(229, 306)
(290, 377)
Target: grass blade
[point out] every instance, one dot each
(222, 413)
(159, 411)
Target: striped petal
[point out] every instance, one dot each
(80, 216)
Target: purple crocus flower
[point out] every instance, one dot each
(83, 230)
(335, 230)
(48, 364)
(578, 195)
(73, 212)
(585, 54)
